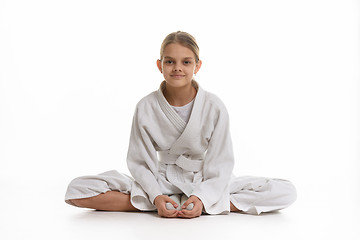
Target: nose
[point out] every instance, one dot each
(177, 68)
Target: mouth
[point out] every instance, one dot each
(177, 76)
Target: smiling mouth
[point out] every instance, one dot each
(177, 76)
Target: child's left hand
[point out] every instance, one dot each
(195, 212)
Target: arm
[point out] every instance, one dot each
(142, 159)
(218, 165)
(143, 165)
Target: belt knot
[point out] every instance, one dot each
(191, 163)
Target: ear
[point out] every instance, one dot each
(198, 66)
(158, 63)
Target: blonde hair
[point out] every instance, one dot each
(182, 38)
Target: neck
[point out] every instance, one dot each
(179, 96)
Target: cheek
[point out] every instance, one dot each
(167, 70)
(164, 69)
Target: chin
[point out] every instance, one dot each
(178, 83)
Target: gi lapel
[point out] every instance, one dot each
(188, 130)
(170, 113)
(191, 131)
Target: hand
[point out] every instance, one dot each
(195, 212)
(160, 202)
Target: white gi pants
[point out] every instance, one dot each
(252, 195)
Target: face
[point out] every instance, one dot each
(178, 65)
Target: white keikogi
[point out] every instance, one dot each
(169, 156)
(195, 158)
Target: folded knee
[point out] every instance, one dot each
(81, 202)
(287, 191)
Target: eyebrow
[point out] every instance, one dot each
(184, 58)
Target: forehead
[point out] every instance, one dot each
(176, 50)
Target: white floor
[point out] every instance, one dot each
(29, 213)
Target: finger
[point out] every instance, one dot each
(172, 202)
(165, 208)
(188, 214)
(165, 213)
(188, 206)
(170, 213)
(190, 203)
(169, 206)
(187, 202)
(196, 209)
(183, 215)
(185, 212)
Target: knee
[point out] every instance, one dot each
(287, 191)
(81, 202)
(81, 189)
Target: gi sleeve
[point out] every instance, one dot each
(218, 167)
(142, 159)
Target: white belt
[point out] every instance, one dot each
(191, 163)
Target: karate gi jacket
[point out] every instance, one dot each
(169, 156)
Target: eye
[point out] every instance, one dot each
(169, 62)
(187, 62)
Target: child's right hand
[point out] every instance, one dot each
(160, 203)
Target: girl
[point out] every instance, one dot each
(180, 153)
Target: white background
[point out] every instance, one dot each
(71, 73)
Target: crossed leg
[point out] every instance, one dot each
(114, 201)
(109, 201)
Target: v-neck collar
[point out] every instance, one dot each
(170, 112)
(185, 129)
